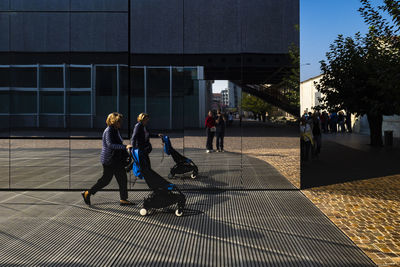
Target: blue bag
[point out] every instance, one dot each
(136, 163)
(167, 145)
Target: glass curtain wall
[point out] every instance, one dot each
(98, 84)
(66, 66)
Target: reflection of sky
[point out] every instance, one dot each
(220, 85)
(320, 23)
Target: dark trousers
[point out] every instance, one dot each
(220, 140)
(210, 138)
(108, 173)
(317, 144)
(305, 149)
(145, 161)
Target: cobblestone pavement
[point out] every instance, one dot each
(368, 212)
(367, 209)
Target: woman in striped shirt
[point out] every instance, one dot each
(112, 165)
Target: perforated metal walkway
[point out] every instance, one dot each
(231, 228)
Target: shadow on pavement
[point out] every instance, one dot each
(338, 163)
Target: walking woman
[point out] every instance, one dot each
(141, 138)
(210, 131)
(111, 159)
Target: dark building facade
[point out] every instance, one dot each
(64, 63)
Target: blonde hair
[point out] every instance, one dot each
(113, 118)
(142, 116)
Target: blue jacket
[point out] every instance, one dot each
(111, 141)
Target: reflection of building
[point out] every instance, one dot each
(309, 99)
(64, 64)
(225, 97)
(216, 101)
(309, 94)
(80, 96)
(234, 95)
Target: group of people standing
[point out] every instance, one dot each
(312, 125)
(311, 135)
(215, 126)
(333, 121)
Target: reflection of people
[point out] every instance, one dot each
(230, 119)
(141, 138)
(317, 133)
(112, 143)
(348, 121)
(210, 131)
(306, 139)
(220, 131)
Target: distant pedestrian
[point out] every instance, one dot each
(230, 119)
(324, 121)
(317, 134)
(306, 140)
(210, 131)
(333, 122)
(220, 131)
(112, 156)
(348, 122)
(341, 121)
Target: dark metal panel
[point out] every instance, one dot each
(102, 32)
(41, 32)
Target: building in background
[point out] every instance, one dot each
(225, 97)
(234, 95)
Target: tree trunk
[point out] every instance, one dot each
(375, 127)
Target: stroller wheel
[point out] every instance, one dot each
(143, 212)
(179, 212)
(193, 175)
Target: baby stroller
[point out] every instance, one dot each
(183, 165)
(164, 193)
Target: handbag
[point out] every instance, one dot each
(121, 157)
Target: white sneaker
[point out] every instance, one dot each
(208, 151)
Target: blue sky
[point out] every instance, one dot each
(320, 23)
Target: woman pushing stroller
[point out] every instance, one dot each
(141, 139)
(163, 193)
(112, 157)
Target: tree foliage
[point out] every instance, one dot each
(362, 74)
(255, 105)
(291, 82)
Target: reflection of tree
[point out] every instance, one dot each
(362, 72)
(256, 105)
(291, 82)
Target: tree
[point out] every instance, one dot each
(256, 105)
(361, 74)
(291, 82)
(359, 77)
